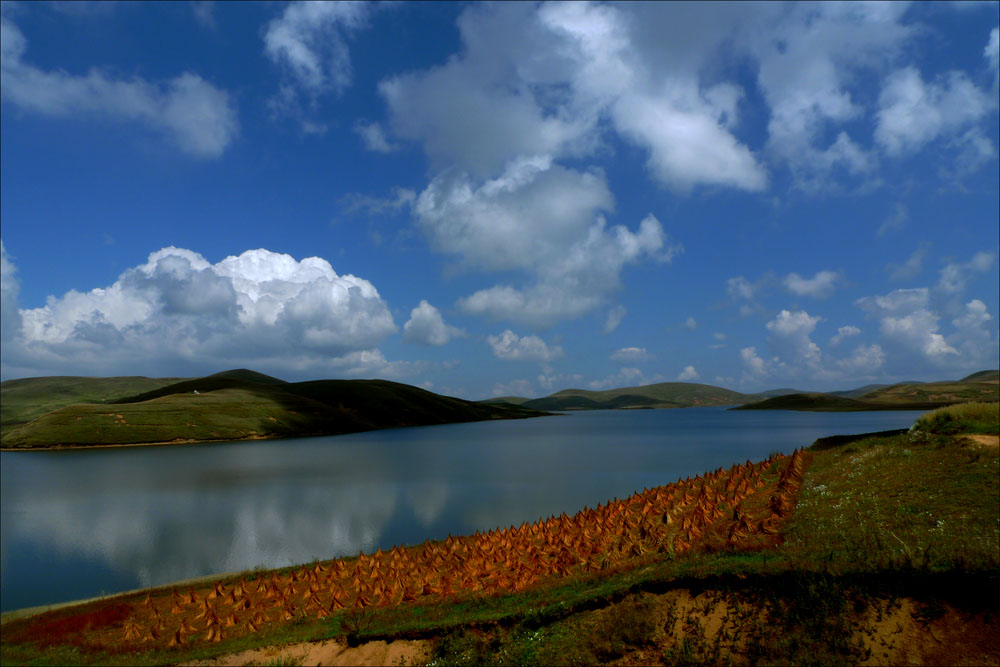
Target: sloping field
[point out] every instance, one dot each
(29, 398)
(737, 509)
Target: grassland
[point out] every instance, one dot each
(30, 398)
(887, 554)
(238, 405)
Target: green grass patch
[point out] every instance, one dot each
(965, 418)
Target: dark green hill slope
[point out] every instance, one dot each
(513, 400)
(982, 376)
(816, 402)
(239, 406)
(662, 395)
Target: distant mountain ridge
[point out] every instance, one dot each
(914, 395)
(661, 395)
(981, 386)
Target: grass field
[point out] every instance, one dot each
(27, 399)
(887, 552)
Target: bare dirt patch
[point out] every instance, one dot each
(902, 634)
(987, 441)
(329, 652)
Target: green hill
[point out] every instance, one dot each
(935, 392)
(28, 398)
(983, 376)
(244, 405)
(662, 395)
(817, 402)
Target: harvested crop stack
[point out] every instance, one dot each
(740, 508)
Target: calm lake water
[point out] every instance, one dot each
(76, 524)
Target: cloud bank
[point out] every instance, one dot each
(259, 308)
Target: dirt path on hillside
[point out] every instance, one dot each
(328, 652)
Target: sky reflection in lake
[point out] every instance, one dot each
(76, 523)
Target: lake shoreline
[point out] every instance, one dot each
(177, 512)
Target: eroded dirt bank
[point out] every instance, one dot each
(329, 652)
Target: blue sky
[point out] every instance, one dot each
(501, 199)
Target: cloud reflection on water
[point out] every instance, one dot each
(120, 518)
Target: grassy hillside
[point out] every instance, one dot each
(935, 392)
(240, 405)
(983, 376)
(979, 386)
(878, 550)
(663, 395)
(24, 400)
(829, 403)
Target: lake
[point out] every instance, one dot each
(76, 524)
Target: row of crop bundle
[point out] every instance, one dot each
(672, 519)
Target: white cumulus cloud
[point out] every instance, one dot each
(689, 373)
(259, 307)
(427, 327)
(913, 113)
(866, 360)
(819, 286)
(543, 221)
(844, 332)
(511, 347)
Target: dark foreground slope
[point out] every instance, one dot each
(239, 405)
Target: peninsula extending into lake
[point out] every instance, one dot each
(232, 405)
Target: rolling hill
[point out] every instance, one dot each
(935, 392)
(26, 399)
(238, 405)
(905, 396)
(983, 376)
(662, 395)
(817, 402)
